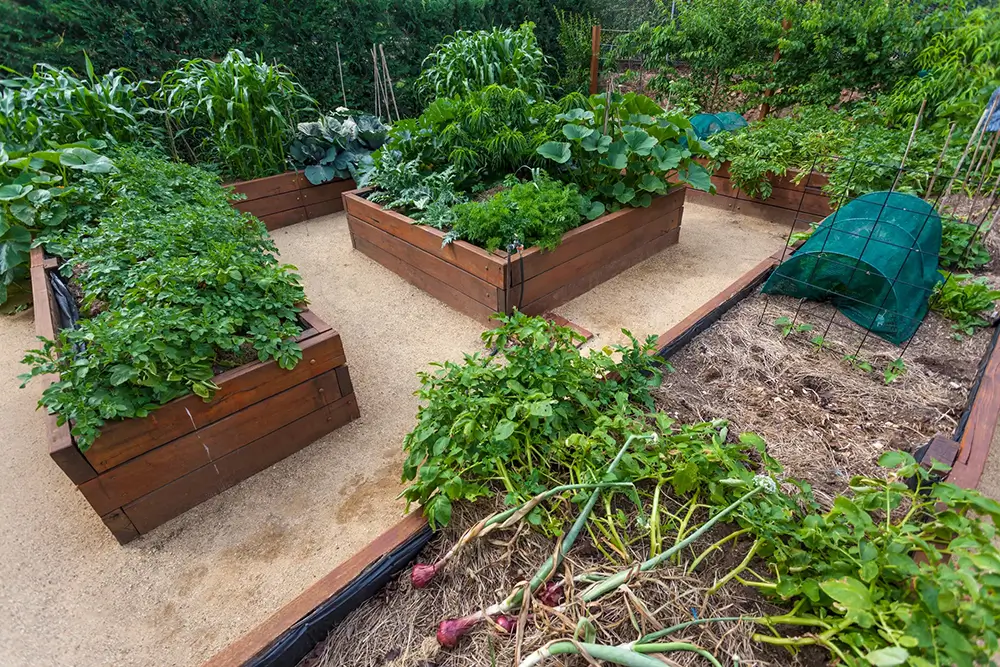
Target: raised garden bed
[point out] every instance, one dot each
(789, 202)
(293, 631)
(142, 472)
(289, 198)
(479, 283)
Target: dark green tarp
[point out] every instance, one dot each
(875, 259)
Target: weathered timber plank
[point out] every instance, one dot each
(269, 186)
(439, 290)
(274, 204)
(431, 264)
(146, 473)
(238, 388)
(466, 256)
(287, 218)
(199, 485)
(588, 262)
(120, 526)
(602, 274)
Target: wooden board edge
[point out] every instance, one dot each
(687, 328)
(976, 438)
(264, 634)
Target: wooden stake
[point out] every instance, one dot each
(340, 68)
(595, 52)
(765, 106)
(909, 144)
(375, 72)
(982, 134)
(392, 92)
(961, 161)
(937, 169)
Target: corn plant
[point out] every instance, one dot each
(240, 113)
(57, 106)
(469, 61)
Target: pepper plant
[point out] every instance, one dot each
(624, 148)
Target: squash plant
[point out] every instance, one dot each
(336, 145)
(39, 192)
(623, 147)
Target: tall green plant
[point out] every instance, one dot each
(466, 62)
(240, 113)
(56, 106)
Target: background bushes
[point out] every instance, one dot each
(150, 36)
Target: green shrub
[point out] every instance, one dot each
(504, 419)
(533, 213)
(176, 283)
(239, 113)
(466, 62)
(963, 300)
(337, 145)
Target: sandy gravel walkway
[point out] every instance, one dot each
(72, 596)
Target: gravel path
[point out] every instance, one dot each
(73, 596)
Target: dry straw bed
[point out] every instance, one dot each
(823, 419)
(396, 628)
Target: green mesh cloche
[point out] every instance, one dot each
(707, 124)
(875, 259)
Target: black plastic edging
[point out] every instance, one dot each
(296, 642)
(964, 421)
(713, 316)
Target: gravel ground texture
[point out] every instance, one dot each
(73, 596)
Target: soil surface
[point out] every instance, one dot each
(823, 418)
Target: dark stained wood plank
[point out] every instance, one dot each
(255, 641)
(587, 262)
(318, 194)
(429, 263)
(238, 388)
(313, 321)
(120, 526)
(344, 380)
(268, 205)
(603, 273)
(592, 235)
(439, 290)
(199, 485)
(281, 219)
(269, 186)
(324, 208)
(466, 256)
(976, 441)
(148, 472)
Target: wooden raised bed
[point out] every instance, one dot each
(140, 473)
(789, 201)
(271, 642)
(288, 198)
(479, 283)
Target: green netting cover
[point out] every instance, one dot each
(707, 124)
(875, 259)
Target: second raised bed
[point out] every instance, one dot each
(140, 473)
(480, 283)
(282, 200)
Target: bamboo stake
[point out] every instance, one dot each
(982, 134)
(392, 92)
(340, 68)
(961, 160)
(909, 144)
(937, 169)
(988, 156)
(375, 72)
